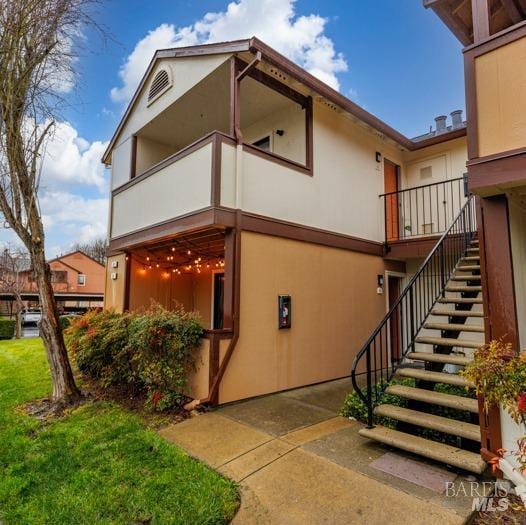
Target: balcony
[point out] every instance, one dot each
(423, 211)
(185, 182)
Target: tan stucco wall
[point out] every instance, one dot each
(290, 119)
(149, 153)
(500, 78)
(334, 308)
(115, 288)
(179, 188)
(192, 291)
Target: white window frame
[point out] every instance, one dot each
(78, 279)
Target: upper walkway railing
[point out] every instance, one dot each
(381, 355)
(423, 210)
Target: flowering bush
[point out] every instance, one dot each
(499, 375)
(150, 351)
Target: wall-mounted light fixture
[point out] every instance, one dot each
(380, 279)
(378, 156)
(280, 132)
(113, 276)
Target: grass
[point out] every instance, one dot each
(99, 464)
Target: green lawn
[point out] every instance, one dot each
(97, 465)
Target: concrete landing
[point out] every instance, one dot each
(299, 462)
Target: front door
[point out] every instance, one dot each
(391, 185)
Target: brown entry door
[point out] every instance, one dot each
(391, 184)
(394, 284)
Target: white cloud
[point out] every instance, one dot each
(71, 160)
(300, 38)
(70, 218)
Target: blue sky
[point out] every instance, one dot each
(392, 57)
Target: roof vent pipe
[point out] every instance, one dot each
(441, 123)
(456, 119)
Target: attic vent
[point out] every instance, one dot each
(160, 83)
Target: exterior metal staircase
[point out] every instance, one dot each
(416, 352)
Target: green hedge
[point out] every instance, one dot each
(150, 351)
(7, 328)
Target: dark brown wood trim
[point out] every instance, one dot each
(480, 14)
(273, 84)
(270, 226)
(215, 176)
(157, 232)
(418, 247)
(497, 271)
(226, 218)
(228, 304)
(233, 96)
(127, 281)
(309, 136)
(133, 157)
(490, 175)
(235, 292)
(443, 137)
(502, 38)
(278, 159)
(471, 106)
(497, 156)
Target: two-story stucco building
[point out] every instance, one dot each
(239, 178)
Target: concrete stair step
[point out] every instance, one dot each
(434, 398)
(459, 289)
(475, 241)
(470, 258)
(466, 278)
(424, 447)
(451, 359)
(469, 268)
(460, 300)
(474, 249)
(434, 377)
(447, 341)
(457, 313)
(431, 421)
(456, 327)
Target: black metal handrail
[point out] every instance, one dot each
(422, 210)
(394, 337)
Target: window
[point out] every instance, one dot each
(81, 279)
(58, 276)
(263, 143)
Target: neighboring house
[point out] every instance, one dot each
(248, 190)
(494, 33)
(78, 283)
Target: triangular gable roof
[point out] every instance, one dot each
(271, 56)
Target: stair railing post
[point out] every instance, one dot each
(412, 315)
(442, 271)
(369, 389)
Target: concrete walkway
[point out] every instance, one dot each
(299, 462)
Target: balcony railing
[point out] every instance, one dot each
(190, 180)
(423, 210)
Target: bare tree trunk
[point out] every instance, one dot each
(65, 390)
(18, 314)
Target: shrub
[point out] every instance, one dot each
(7, 328)
(65, 320)
(150, 351)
